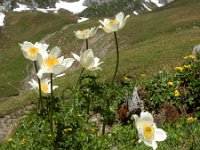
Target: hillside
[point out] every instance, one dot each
(148, 43)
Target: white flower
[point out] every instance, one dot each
(113, 25)
(30, 51)
(87, 60)
(147, 130)
(86, 34)
(45, 85)
(52, 63)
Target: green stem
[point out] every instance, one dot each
(79, 78)
(40, 91)
(117, 61)
(51, 105)
(77, 83)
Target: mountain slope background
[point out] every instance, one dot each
(149, 43)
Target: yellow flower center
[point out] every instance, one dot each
(112, 22)
(148, 131)
(51, 61)
(83, 32)
(44, 87)
(33, 51)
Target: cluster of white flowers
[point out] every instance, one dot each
(53, 63)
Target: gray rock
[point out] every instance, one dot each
(196, 49)
(135, 102)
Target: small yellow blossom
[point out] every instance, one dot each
(23, 141)
(190, 57)
(143, 75)
(176, 93)
(179, 68)
(94, 129)
(191, 119)
(170, 83)
(49, 135)
(67, 129)
(10, 139)
(187, 66)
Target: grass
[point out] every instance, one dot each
(148, 43)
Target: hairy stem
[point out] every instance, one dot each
(51, 105)
(86, 41)
(40, 91)
(117, 61)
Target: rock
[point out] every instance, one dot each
(196, 49)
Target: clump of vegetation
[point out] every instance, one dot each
(180, 88)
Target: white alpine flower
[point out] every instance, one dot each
(87, 60)
(86, 34)
(113, 25)
(31, 51)
(52, 63)
(147, 130)
(45, 85)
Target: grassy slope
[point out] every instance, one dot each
(19, 27)
(148, 43)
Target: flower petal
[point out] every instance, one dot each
(154, 145)
(55, 52)
(58, 69)
(68, 62)
(88, 53)
(146, 117)
(160, 135)
(26, 45)
(120, 17)
(123, 22)
(40, 73)
(76, 57)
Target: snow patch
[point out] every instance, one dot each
(21, 7)
(74, 7)
(157, 3)
(2, 16)
(82, 19)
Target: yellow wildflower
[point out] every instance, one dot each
(49, 135)
(23, 141)
(126, 78)
(179, 68)
(67, 129)
(143, 75)
(190, 57)
(94, 129)
(10, 139)
(187, 66)
(176, 93)
(170, 83)
(191, 119)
